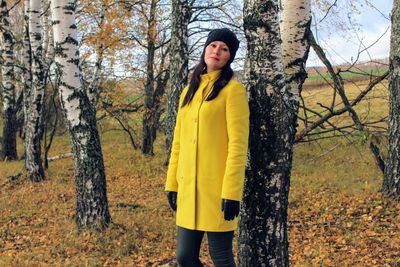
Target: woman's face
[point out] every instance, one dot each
(216, 55)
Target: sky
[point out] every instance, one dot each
(371, 23)
(343, 47)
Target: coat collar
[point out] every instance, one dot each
(211, 76)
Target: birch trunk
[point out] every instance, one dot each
(34, 125)
(48, 57)
(92, 88)
(295, 24)
(263, 236)
(26, 72)
(179, 58)
(48, 43)
(391, 180)
(9, 141)
(91, 194)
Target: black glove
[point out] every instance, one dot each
(171, 195)
(230, 208)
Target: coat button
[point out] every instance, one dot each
(195, 120)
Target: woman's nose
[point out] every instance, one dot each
(217, 50)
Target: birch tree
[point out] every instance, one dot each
(391, 180)
(26, 76)
(48, 43)
(34, 124)
(295, 24)
(263, 236)
(178, 68)
(9, 141)
(91, 195)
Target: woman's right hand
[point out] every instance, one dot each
(172, 197)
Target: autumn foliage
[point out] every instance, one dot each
(337, 217)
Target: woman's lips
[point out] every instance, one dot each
(217, 59)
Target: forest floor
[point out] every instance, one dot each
(337, 217)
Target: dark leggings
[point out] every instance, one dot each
(219, 244)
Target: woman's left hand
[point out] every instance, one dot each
(172, 197)
(230, 208)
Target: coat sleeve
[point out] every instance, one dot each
(171, 183)
(237, 119)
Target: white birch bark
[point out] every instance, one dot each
(34, 125)
(295, 24)
(92, 89)
(263, 236)
(9, 141)
(391, 180)
(92, 205)
(48, 43)
(26, 65)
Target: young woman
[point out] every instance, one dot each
(209, 152)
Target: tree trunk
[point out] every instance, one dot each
(91, 194)
(9, 141)
(161, 84)
(149, 105)
(26, 72)
(48, 58)
(179, 58)
(263, 236)
(391, 180)
(92, 89)
(295, 23)
(34, 125)
(48, 43)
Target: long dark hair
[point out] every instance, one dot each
(201, 68)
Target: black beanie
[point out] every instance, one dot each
(228, 37)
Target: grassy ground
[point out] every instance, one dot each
(337, 216)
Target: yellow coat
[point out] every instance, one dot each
(209, 154)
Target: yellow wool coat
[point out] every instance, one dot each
(209, 154)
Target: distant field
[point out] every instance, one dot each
(349, 75)
(315, 80)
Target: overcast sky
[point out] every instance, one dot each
(341, 47)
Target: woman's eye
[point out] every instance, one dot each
(225, 49)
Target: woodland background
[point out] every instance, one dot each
(337, 215)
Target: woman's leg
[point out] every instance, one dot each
(220, 247)
(188, 250)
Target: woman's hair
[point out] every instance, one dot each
(223, 79)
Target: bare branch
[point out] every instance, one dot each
(333, 113)
(15, 4)
(338, 83)
(329, 9)
(127, 129)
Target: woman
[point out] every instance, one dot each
(208, 157)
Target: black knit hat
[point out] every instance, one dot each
(228, 37)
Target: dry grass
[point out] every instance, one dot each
(336, 215)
